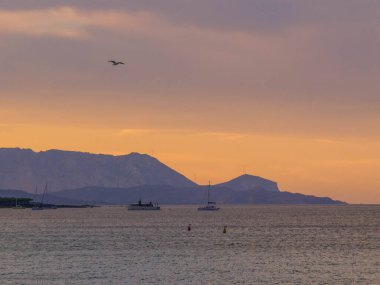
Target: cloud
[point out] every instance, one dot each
(66, 22)
(126, 132)
(302, 78)
(353, 162)
(183, 132)
(75, 23)
(61, 22)
(230, 136)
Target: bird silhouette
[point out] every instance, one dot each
(116, 62)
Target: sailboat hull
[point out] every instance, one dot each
(142, 208)
(207, 208)
(210, 206)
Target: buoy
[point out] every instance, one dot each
(225, 229)
(189, 227)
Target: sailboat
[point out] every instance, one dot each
(48, 206)
(17, 206)
(39, 207)
(210, 206)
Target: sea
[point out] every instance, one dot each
(261, 245)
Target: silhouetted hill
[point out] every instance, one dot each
(170, 195)
(188, 195)
(24, 169)
(262, 196)
(247, 182)
(106, 179)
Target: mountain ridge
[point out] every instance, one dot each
(24, 169)
(248, 181)
(83, 177)
(173, 195)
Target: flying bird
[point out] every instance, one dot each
(116, 62)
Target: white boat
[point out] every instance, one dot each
(144, 206)
(210, 206)
(17, 206)
(37, 208)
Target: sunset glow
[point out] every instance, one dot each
(287, 92)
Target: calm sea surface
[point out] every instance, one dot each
(263, 245)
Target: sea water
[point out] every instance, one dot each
(262, 245)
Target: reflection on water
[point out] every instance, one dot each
(263, 245)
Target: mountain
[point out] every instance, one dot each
(262, 196)
(24, 169)
(248, 182)
(105, 179)
(190, 195)
(165, 194)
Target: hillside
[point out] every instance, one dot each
(84, 178)
(24, 169)
(248, 182)
(190, 195)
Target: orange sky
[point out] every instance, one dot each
(286, 92)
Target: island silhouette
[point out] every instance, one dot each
(85, 178)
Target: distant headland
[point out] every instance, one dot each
(85, 178)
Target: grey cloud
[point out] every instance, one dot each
(247, 15)
(306, 58)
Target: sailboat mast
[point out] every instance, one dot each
(208, 192)
(43, 194)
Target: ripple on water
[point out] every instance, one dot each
(263, 245)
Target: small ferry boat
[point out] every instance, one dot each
(144, 206)
(210, 206)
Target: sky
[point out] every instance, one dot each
(286, 90)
